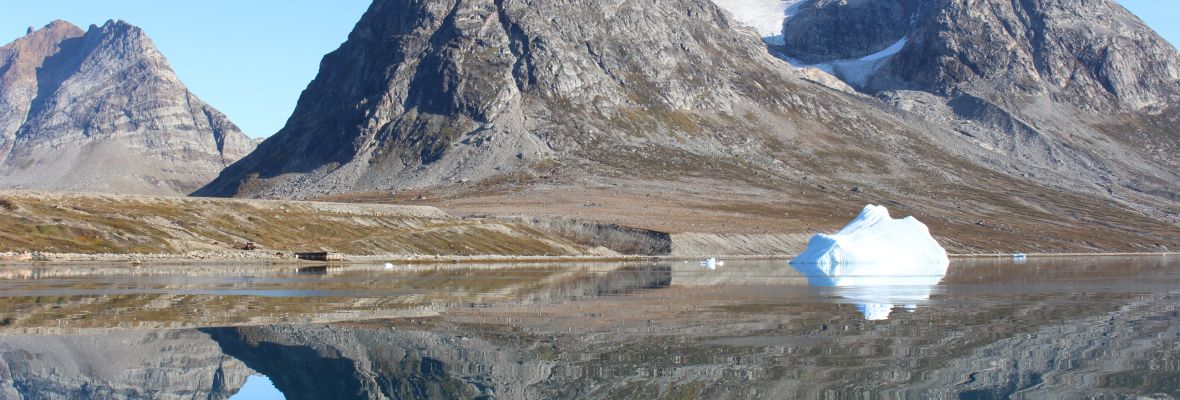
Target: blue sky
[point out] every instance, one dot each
(251, 59)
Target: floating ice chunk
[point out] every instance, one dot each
(388, 266)
(876, 238)
(712, 263)
(877, 261)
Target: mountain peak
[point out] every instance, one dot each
(49, 35)
(61, 25)
(119, 26)
(102, 110)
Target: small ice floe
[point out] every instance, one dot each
(876, 261)
(712, 263)
(1020, 256)
(388, 266)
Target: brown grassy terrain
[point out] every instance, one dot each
(92, 223)
(999, 215)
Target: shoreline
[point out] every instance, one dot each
(1063, 255)
(247, 257)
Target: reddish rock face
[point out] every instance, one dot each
(101, 110)
(18, 76)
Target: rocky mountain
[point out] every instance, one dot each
(102, 110)
(1079, 92)
(670, 115)
(476, 90)
(1093, 54)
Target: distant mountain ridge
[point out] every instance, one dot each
(102, 110)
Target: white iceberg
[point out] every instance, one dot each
(877, 261)
(712, 263)
(876, 238)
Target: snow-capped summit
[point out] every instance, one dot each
(875, 237)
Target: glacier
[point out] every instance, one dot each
(765, 16)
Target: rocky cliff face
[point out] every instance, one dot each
(18, 77)
(102, 110)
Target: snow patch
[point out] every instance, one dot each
(856, 72)
(765, 16)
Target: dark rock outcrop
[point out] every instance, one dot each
(102, 110)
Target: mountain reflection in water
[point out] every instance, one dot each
(1057, 328)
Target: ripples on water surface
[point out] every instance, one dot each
(1055, 328)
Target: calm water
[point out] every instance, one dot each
(1059, 328)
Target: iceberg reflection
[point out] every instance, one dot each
(877, 288)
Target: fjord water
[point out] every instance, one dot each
(989, 328)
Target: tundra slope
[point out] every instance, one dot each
(583, 107)
(101, 110)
